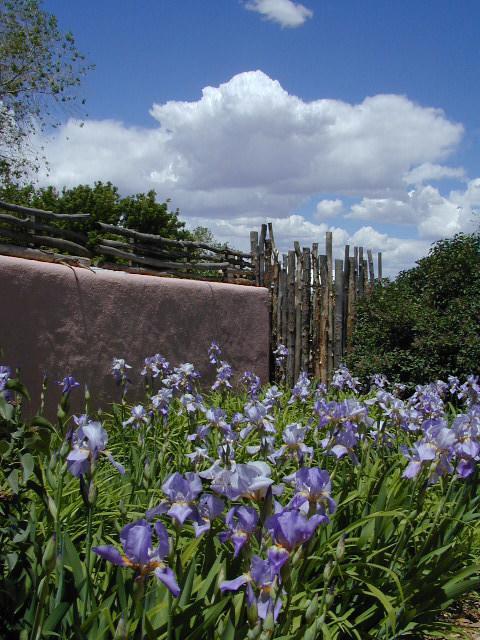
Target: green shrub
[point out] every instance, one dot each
(426, 324)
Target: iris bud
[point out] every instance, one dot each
(252, 614)
(327, 572)
(92, 494)
(87, 393)
(64, 449)
(312, 610)
(340, 550)
(269, 624)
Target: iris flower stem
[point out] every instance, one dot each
(88, 553)
(58, 535)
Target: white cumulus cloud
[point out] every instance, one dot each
(284, 12)
(248, 150)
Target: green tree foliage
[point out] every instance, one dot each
(40, 71)
(104, 204)
(426, 324)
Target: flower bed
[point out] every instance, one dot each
(262, 513)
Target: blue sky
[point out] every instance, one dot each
(360, 117)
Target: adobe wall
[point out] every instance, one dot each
(62, 320)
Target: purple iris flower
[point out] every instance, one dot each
(301, 390)
(250, 480)
(224, 375)
(119, 370)
(241, 522)
(89, 441)
(294, 447)
(199, 455)
(467, 447)
(436, 449)
(258, 419)
(209, 508)
(272, 397)
(155, 365)
(139, 416)
(140, 555)
(343, 380)
(181, 491)
(161, 401)
(192, 403)
(379, 381)
(261, 578)
(313, 488)
(182, 379)
(470, 390)
(5, 375)
(289, 529)
(214, 352)
(280, 353)
(252, 384)
(67, 384)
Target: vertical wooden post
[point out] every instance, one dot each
(338, 326)
(291, 318)
(346, 277)
(261, 255)
(371, 274)
(298, 311)
(331, 303)
(267, 278)
(351, 302)
(323, 324)
(315, 314)
(254, 254)
(306, 309)
(361, 281)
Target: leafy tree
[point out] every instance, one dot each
(426, 324)
(40, 71)
(104, 204)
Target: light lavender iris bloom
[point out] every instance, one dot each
(119, 370)
(301, 390)
(224, 375)
(261, 577)
(67, 384)
(313, 489)
(294, 447)
(181, 491)
(139, 416)
(89, 441)
(214, 352)
(209, 508)
(241, 522)
(140, 555)
(289, 529)
(250, 480)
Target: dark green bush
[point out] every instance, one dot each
(426, 324)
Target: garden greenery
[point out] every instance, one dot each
(259, 512)
(426, 324)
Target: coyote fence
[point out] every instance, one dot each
(313, 301)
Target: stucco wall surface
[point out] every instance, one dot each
(61, 320)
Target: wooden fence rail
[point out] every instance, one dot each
(132, 250)
(313, 299)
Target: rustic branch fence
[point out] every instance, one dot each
(138, 252)
(313, 301)
(312, 295)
